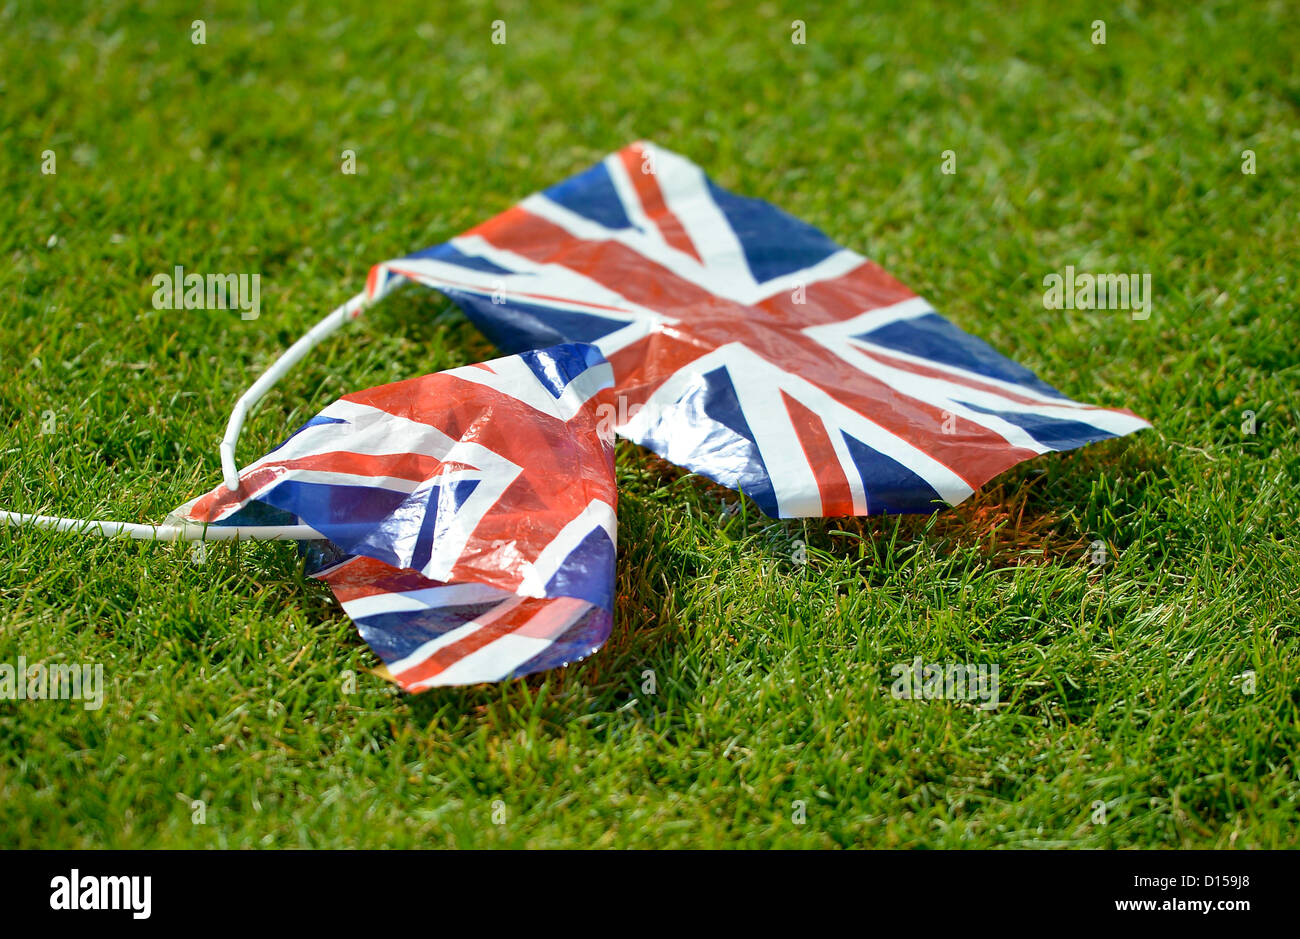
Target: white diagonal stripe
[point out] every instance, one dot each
(426, 598)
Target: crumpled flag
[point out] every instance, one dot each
(473, 513)
(750, 348)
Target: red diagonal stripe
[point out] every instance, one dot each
(837, 498)
(409, 466)
(614, 265)
(652, 203)
(866, 287)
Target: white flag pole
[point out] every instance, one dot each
(291, 357)
(182, 532)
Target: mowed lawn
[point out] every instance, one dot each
(1147, 701)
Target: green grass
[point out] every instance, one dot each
(225, 682)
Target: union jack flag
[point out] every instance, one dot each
(473, 512)
(750, 348)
